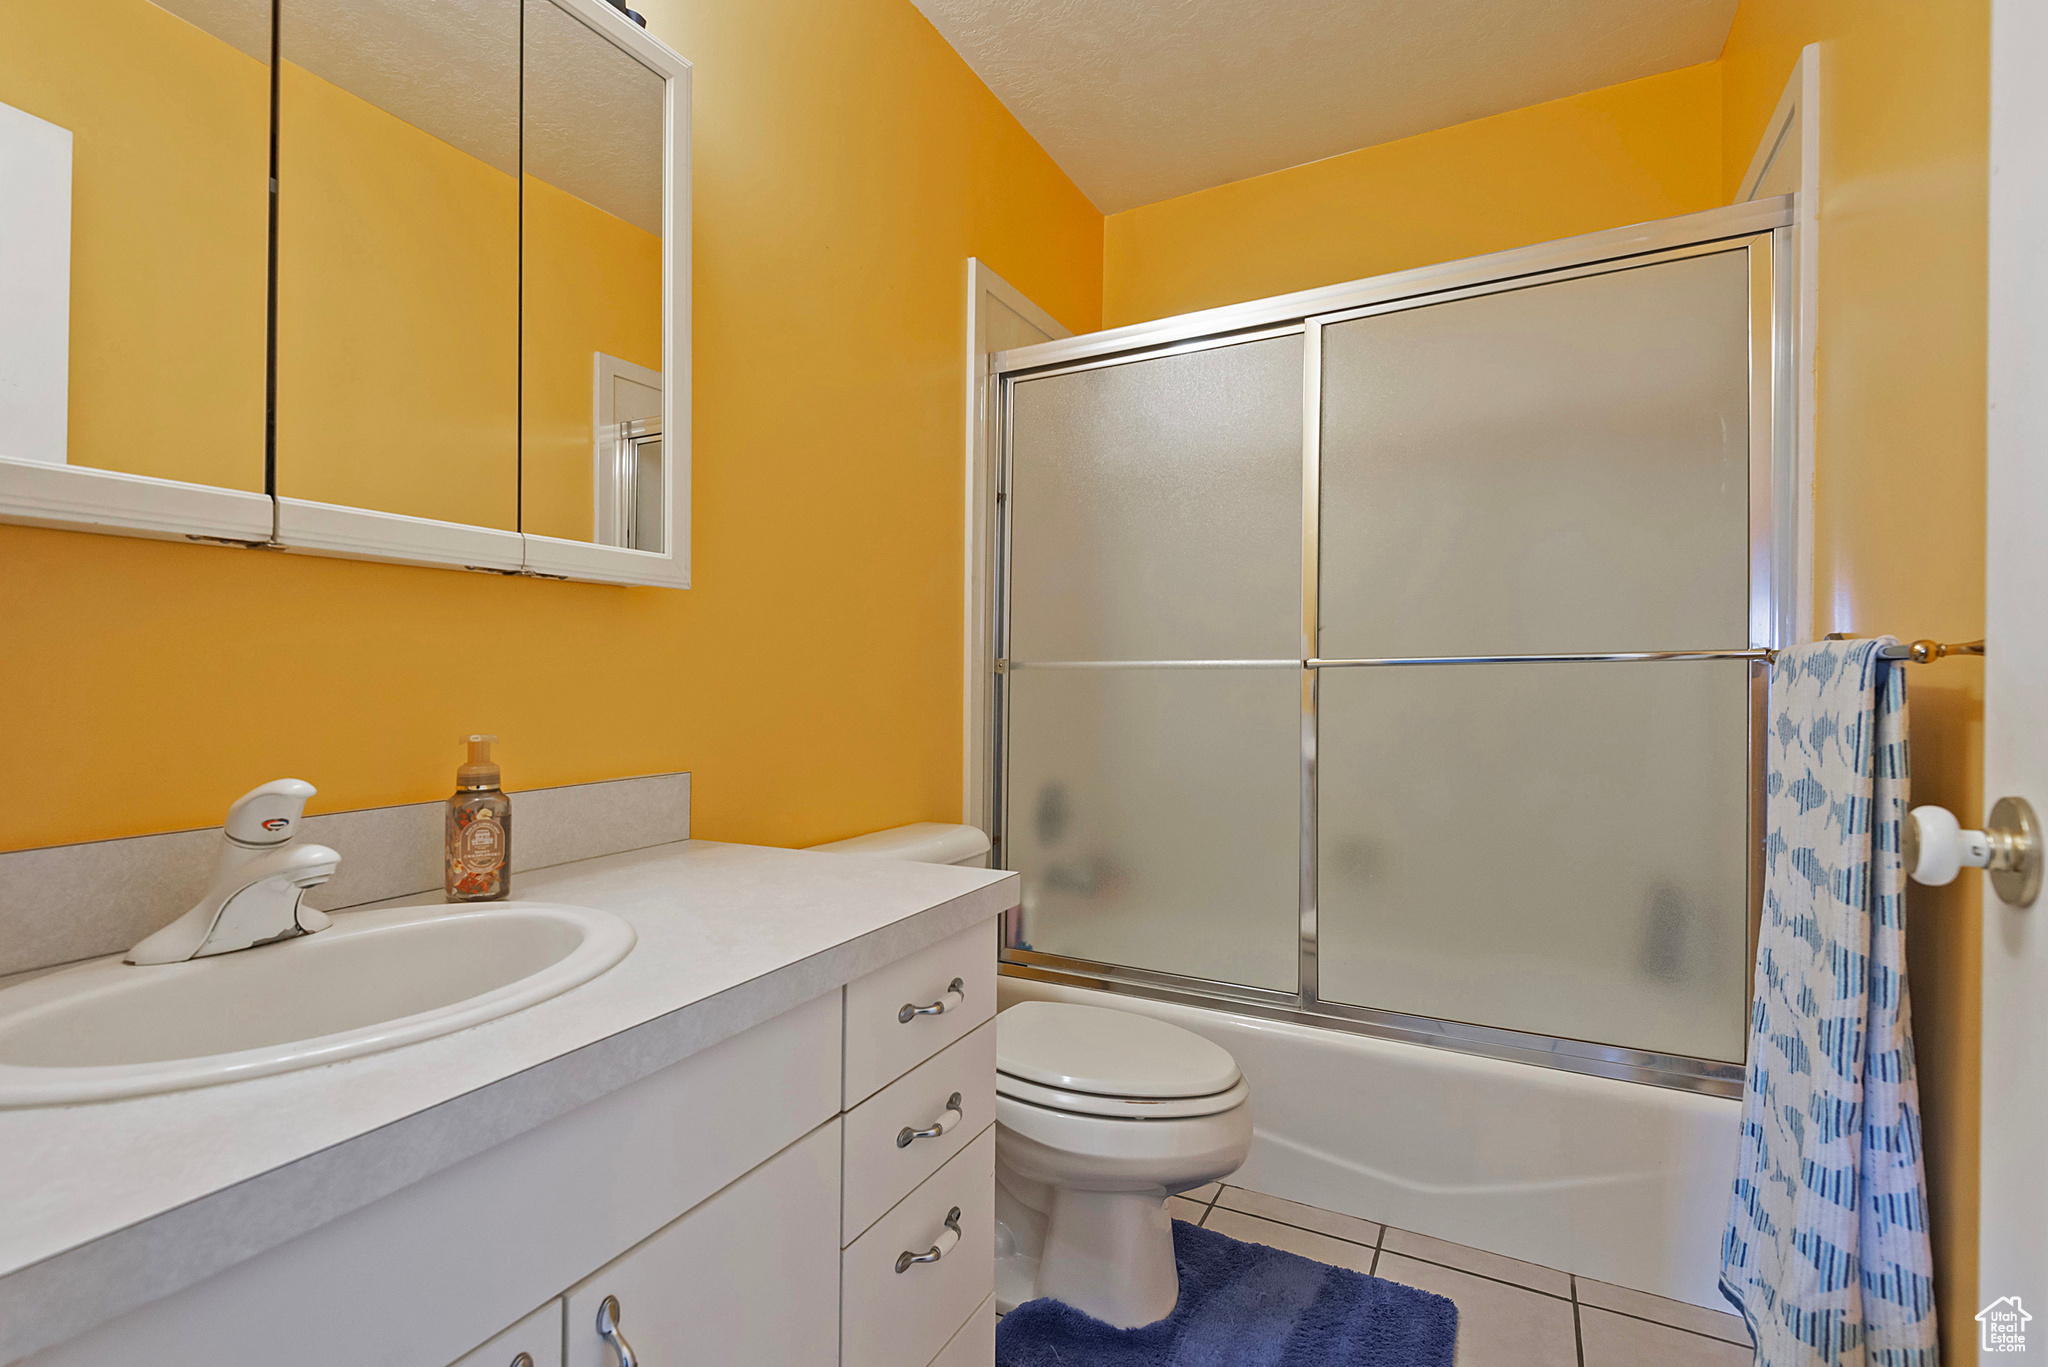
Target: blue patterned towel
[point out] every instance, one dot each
(1826, 1251)
(1246, 1305)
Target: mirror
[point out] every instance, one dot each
(398, 257)
(413, 295)
(593, 464)
(134, 222)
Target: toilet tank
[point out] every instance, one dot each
(921, 842)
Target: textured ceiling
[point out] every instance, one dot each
(451, 68)
(1142, 100)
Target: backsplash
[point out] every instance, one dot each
(68, 902)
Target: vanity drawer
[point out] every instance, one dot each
(884, 1041)
(879, 1169)
(891, 1318)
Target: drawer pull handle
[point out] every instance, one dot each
(608, 1330)
(907, 1260)
(952, 1117)
(956, 992)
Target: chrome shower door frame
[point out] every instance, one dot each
(1760, 228)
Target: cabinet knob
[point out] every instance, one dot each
(521, 1360)
(956, 993)
(608, 1330)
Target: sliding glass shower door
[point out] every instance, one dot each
(1556, 848)
(1431, 713)
(1152, 685)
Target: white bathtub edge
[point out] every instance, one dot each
(1617, 1181)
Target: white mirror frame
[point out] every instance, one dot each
(82, 499)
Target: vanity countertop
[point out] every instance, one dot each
(114, 1204)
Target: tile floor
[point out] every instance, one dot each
(1510, 1313)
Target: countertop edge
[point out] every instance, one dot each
(68, 1293)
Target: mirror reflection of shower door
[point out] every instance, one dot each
(645, 533)
(1153, 688)
(627, 480)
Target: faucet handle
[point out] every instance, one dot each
(269, 815)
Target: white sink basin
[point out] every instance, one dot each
(374, 980)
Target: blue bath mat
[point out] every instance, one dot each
(1245, 1305)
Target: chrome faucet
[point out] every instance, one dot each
(259, 878)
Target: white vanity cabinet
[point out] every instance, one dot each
(748, 1204)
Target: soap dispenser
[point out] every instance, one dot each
(479, 830)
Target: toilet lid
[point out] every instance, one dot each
(1070, 1048)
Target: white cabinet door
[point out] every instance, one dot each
(535, 1341)
(749, 1276)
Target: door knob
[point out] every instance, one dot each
(1935, 848)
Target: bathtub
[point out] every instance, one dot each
(1617, 1181)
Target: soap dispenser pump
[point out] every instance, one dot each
(479, 830)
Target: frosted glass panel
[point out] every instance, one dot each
(1559, 849)
(1547, 470)
(1155, 817)
(1156, 509)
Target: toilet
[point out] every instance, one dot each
(1100, 1116)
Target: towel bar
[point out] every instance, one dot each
(1922, 651)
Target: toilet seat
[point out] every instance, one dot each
(1093, 1053)
(1120, 1107)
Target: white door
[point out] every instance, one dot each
(2013, 1177)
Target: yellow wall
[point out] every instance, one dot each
(847, 163)
(1646, 149)
(170, 153)
(593, 283)
(1899, 511)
